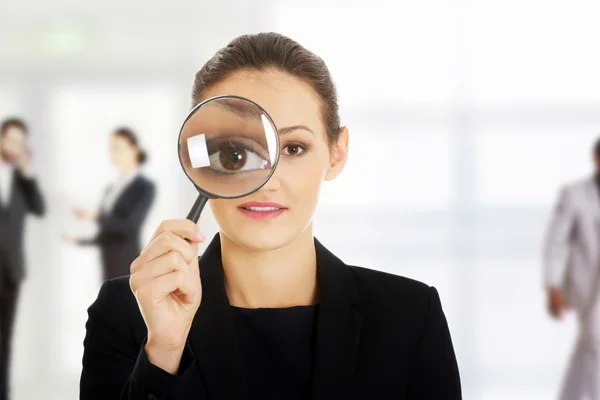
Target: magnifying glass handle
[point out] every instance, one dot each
(196, 210)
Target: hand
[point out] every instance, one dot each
(165, 280)
(25, 163)
(84, 214)
(557, 303)
(69, 238)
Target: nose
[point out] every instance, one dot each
(273, 183)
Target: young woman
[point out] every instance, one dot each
(124, 207)
(267, 312)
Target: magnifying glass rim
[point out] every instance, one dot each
(192, 112)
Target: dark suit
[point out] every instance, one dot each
(25, 197)
(379, 336)
(119, 233)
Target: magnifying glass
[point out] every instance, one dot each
(228, 147)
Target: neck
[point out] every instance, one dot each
(279, 278)
(127, 169)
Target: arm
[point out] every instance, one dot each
(32, 194)
(123, 226)
(433, 370)
(113, 367)
(558, 241)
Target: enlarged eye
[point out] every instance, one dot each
(293, 150)
(231, 158)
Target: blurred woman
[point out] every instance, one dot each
(124, 207)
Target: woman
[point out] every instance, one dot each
(267, 312)
(124, 207)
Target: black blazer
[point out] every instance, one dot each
(379, 336)
(25, 198)
(119, 233)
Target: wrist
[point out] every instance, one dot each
(166, 357)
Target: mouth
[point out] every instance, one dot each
(262, 210)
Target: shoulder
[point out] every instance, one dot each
(397, 311)
(574, 187)
(386, 285)
(144, 180)
(115, 292)
(394, 295)
(145, 184)
(117, 304)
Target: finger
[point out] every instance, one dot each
(186, 292)
(166, 242)
(167, 263)
(183, 228)
(167, 284)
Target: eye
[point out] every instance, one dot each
(231, 158)
(293, 150)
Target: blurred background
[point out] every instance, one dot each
(465, 118)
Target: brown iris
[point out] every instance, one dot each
(233, 158)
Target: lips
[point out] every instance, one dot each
(262, 210)
(261, 206)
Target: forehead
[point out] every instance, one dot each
(14, 133)
(118, 140)
(287, 99)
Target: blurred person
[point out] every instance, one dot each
(124, 208)
(572, 277)
(19, 195)
(281, 316)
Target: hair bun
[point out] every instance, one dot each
(142, 157)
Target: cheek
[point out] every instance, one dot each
(304, 176)
(13, 147)
(222, 208)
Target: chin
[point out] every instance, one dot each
(262, 237)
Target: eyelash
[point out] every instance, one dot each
(302, 147)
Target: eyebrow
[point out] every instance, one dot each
(240, 107)
(245, 109)
(290, 129)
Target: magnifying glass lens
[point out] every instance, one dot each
(228, 147)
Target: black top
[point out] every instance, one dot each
(378, 336)
(277, 350)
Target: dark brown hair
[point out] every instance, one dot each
(131, 138)
(13, 123)
(596, 150)
(263, 51)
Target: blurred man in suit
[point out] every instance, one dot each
(572, 277)
(19, 195)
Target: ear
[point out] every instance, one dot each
(339, 155)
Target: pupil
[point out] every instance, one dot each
(232, 158)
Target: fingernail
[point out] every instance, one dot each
(199, 236)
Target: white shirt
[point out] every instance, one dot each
(116, 189)
(6, 182)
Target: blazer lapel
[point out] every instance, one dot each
(212, 335)
(213, 339)
(338, 329)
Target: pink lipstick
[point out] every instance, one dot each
(262, 210)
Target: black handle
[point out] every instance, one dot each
(197, 208)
